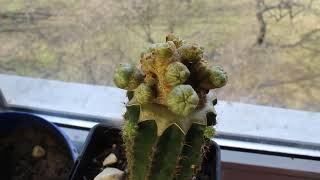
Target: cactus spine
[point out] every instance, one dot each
(170, 109)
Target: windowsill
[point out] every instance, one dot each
(240, 126)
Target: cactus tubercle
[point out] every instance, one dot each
(176, 73)
(182, 100)
(143, 94)
(127, 77)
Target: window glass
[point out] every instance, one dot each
(270, 48)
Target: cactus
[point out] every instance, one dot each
(170, 109)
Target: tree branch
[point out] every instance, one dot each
(291, 81)
(284, 8)
(304, 38)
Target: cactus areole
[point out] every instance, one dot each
(170, 109)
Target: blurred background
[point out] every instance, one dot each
(270, 48)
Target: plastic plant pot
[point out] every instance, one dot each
(20, 133)
(103, 136)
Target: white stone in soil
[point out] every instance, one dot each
(110, 159)
(110, 174)
(38, 151)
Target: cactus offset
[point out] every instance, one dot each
(170, 110)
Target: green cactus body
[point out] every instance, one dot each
(170, 110)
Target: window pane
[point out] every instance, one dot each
(270, 48)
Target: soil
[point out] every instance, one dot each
(100, 151)
(118, 149)
(17, 162)
(104, 140)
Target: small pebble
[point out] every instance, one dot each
(110, 159)
(110, 174)
(114, 146)
(38, 151)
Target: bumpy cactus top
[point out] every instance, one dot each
(174, 76)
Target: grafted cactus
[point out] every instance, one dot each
(170, 109)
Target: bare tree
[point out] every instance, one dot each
(278, 11)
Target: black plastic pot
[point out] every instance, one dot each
(104, 136)
(11, 122)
